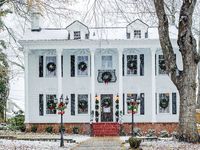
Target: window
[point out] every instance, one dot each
(77, 35)
(83, 104)
(137, 33)
(50, 104)
(131, 64)
(128, 35)
(82, 65)
(129, 99)
(161, 66)
(50, 66)
(163, 103)
(106, 62)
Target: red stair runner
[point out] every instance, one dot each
(105, 129)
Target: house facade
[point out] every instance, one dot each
(100, 70)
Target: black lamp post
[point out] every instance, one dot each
(61, 106)
(134, 103)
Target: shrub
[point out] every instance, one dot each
(137, 132)
(175, 135)
(151, 133)
(122, 131)
(164, 133)
(63, 128)
(16, 122)
(75, 130)
(134, 142)
(34, 128)
(49, 129)
(22, 128)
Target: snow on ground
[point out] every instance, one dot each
(164, 145)
(41, 145)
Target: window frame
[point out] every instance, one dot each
(55, 96)
(77, 102)
(106, 68)
(88, 66)
(137, 34)
(169, 106)
(77, 35)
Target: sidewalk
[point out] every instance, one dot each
(100, 143)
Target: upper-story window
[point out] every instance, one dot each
(50, 66)
(82, 65)
(131, 64)
(137, 33)
(161, 65)
(77, 35)
(106, 62)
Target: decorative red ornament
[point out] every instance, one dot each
(61, 112)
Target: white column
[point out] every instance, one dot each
(153, 85)
(26, 55)
(92, 82)
(120, 51)
(59, 78)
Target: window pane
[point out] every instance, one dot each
(51, 66)
(162, 68)
(106, 62)
(131, 64)
(164, 103)
(137, 33)
(50, 105)
(83, 104)
(82, 65)
(77, 35)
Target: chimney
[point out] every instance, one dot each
(35, 21)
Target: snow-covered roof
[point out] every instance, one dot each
(45, 34)
(104, 33)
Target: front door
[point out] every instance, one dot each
(106, 108)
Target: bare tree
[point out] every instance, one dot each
(184, 80)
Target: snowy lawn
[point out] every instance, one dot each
(38, 145)
(163, 145)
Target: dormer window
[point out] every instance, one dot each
(77, 35)
(128, 35)
(137, 33)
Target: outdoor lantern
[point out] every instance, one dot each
(66, 100)
(96, 97)
(117, 97)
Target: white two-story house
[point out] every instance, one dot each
(100, 70)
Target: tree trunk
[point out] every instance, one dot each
(185, 80)
(187, 123)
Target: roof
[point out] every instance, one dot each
(99, 33)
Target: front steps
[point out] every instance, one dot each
(105, 129)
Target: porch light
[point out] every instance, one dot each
(96, 97)
(117, 97)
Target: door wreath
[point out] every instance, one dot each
(51, 66)
(82, 66)
(106, 102)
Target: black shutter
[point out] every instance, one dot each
(141, 64)
(41, 60)
(61, 66)
(41, 105)
(123, 65)
(142, 103)
(156, 101)
(174, 106)
(72, 65)
(155, 65)
(72, 104)
(123, 104)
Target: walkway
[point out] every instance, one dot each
(100, 143)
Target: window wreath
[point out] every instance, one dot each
(82, 66)
(131, 64)
(82, 105)
(106, 102)
(164, 103)
(51, 66)
(51, 105)
(106, 77)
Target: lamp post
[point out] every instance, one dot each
(61, 108)
(134, 106)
